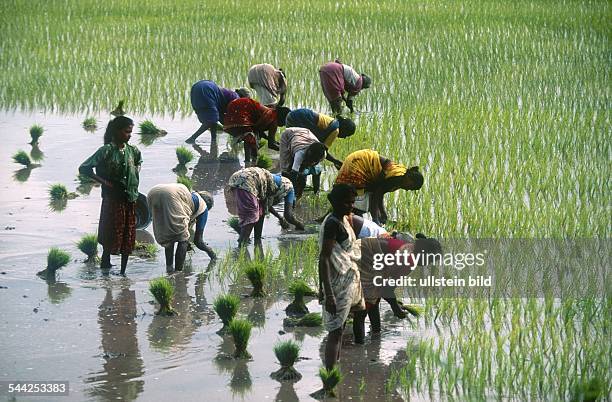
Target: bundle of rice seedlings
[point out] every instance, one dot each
(414, 309)
(298, 289)
(184, 155)
(58, 192)
(36, 132)
(330, 378)
(56, 259)
(186, 181)
(287, 353)
(241, 332)
(264, 161)
(262, 143)
(256, 272)
(309, 320)
(22, 158)
(234, 223)
(90, 124)
(163, 292)
(226, 306)
(89, 246)
(148, 128)
(119, 109)
(145, 250)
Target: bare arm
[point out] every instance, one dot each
(337, 163)
(324, 275)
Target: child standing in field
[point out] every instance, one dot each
(117, 165)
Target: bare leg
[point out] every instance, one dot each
(332, 348)
(259, 228)
(169, 251)
(194, 136)
(316, 182)
(181, 253)
(397, 309)
(359, 326)
(105, 262)
(374, 316)
(336, 106)
(245, 233)
(124, 261)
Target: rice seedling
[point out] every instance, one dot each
(90, 124)
(186, 181)
(118, 111)
(163, 292)
(36, 132)
(264, 161)
(330, 379)
(22, 158)
(89, 246)
(413, 309)
(145, 250)
(287, 353)
(226, 307)
(308, 320)
(184, 155)
(256, 272)
(56, 259)
(58, 192)
(234, 223)
(241, 332)
(298, 289)
(147, 127)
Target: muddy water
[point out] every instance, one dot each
(100, 332)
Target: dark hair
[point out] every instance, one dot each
(281, 115)
(243, 92)
(315, 152)
(341, 192)
(427, 247)
(366, 81)
(415, 177)
(347, 127)
(114, 126)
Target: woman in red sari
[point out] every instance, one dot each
(248, 120)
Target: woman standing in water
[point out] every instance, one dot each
(339, 281)
(117, 165)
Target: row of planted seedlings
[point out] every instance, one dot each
(525, 348)
(266, 275)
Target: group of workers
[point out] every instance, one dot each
(363, 178)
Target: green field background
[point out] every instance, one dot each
(504, 105)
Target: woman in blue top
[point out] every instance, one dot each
(175, 209)
(209, 102)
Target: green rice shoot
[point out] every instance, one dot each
(298, 289)
(56, 259)
(22, 158)
(241, 333)
(234, 223)
(58, 192)
(264, 161)
(330, 378)
(36, 131)
(184, 155)
(185, 181)
(287, 353)
(89, 246)
(147, 127)
(311, 320)
(226, 307)
(145, 250)
(163, 292)
(90, 124)
(256, 272)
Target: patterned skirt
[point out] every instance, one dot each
(117, 226)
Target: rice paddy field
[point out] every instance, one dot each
(505, 106)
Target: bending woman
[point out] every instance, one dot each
(339, 281)
(300, 153)
(373, 176)
(338, 79)
(270, 84)
(175, 210)
(209, 102)
(248, 120)
(251, 193)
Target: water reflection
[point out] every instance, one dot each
(165, 332)
(212, 171)
(123, 366)
(58, 205)
(286, 393)
(149, 139)
(57, 291)
(241, 382)
(85, 185)
(36, 154)
(22, 175)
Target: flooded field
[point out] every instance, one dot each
(99, 331)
